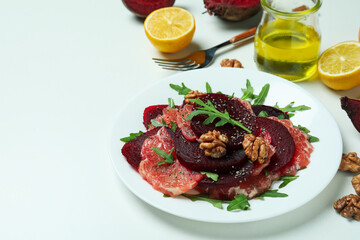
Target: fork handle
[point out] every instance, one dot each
(243, 35)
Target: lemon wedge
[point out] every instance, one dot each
(170, 29)
(339, 66)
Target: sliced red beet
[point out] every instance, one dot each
(132, 149)
(230, 179)
(152, 112)
(271, 111)
(352, 108)
(281, 139)
(252, 187)
(192, 157)
(236, 111)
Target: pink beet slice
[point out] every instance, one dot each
(352, 108)
(192, 157)
(132, 149)
(271, 111)
(281, 139)
(236, 111)
(152, 112)
(229, 179)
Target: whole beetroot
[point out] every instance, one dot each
(142, 8)
(233, 10)
(352, 108)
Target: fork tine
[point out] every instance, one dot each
(190, 64)
(176, 61)
(182, 68)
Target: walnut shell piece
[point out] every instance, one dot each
(356, 183)
(193, 95)
(256, 148)
(214, 144)
(349, 206)
(231, 63)
(350, 162)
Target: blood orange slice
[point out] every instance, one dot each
(170, 179)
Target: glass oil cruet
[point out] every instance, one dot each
(287, 40)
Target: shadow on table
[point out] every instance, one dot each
(264, 228)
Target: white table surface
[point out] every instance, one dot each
(66, 67)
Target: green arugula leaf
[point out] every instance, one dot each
(213, 113)
(213, 176)
(291, 108)
(182, 90)
(208, 88)
(286, 180)
(156, 123)
(173, 126)
(305, 130)
(266, 172)
(260, 99)
(232, 95)
(165, 196)
(272, 193)
(216, 203)
(240, 202)
(131, 137)
(281, 116)
(168, 157)
(263, 114)
(248, 91)
(171, 103)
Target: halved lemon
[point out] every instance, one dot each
(339, 66)
(170, 29)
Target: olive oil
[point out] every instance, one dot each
(287, 48)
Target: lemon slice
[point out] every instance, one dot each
(170, 29)
(339, 66)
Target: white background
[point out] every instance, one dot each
(66, 68)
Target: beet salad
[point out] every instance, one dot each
(219, 147)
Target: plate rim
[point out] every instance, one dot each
(168, 80)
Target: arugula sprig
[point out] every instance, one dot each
(168, 157)
(208, 88)
(248, 93)
(156, 123)
(171, 103)
(272, 193)
(213, 113)
(132, 136)
(305, 130)
(239, 202)
(182, 90)
(286, 180)
(290, 109)
(213, 176)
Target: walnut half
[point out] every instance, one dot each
(356, 183)
(192, 95)
(231, 63)
(349, 206)
(214, 144)
(350, 162)
(255, 148)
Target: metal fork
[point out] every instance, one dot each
(202, 58)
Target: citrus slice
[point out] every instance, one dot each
(339, 66)
(170, 29)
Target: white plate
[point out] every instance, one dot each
(324, 160)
